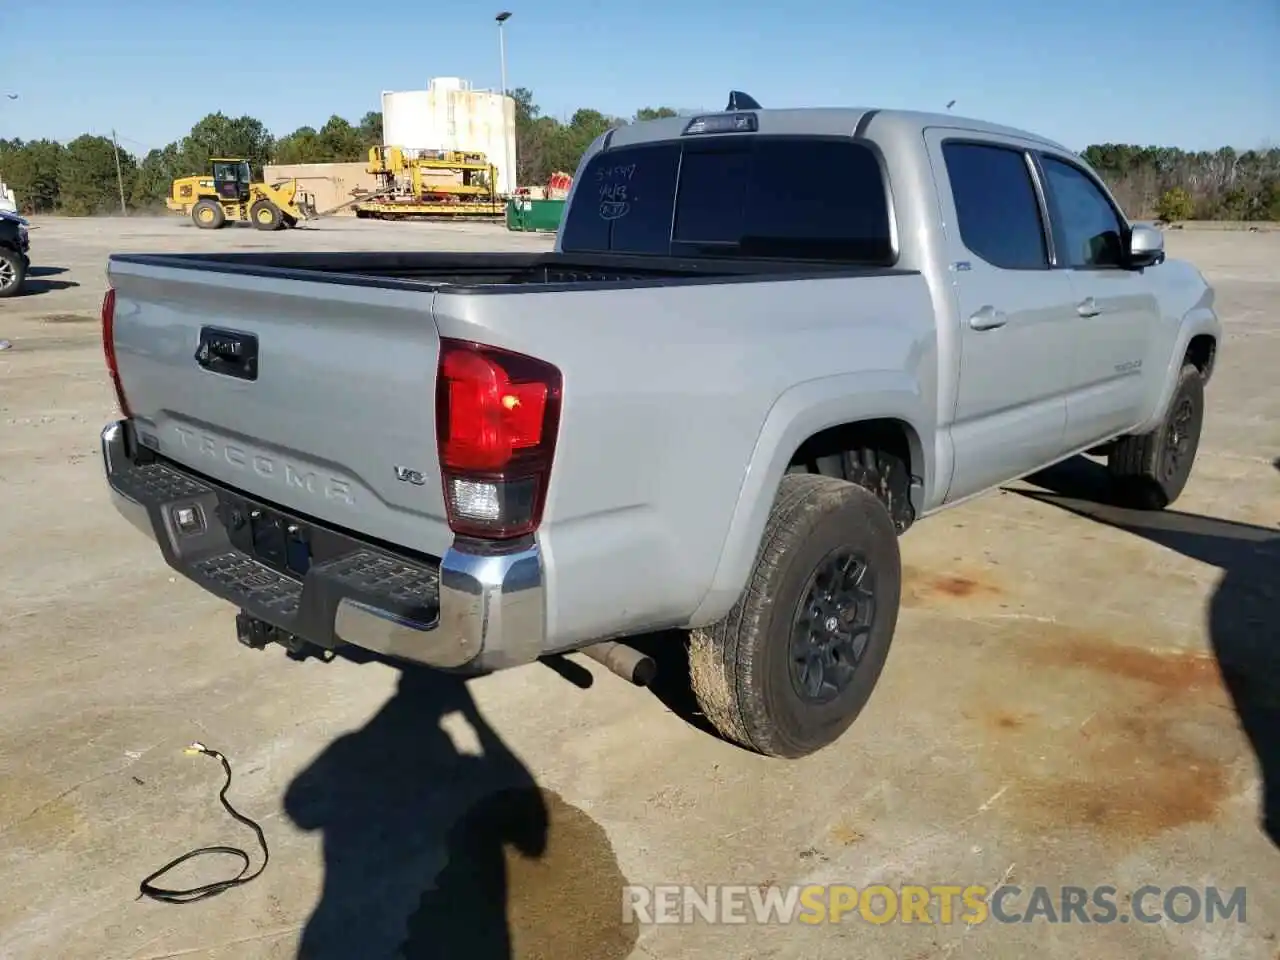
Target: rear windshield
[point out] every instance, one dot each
(755, 196)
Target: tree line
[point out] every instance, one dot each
(80, 178)
(1172, 184)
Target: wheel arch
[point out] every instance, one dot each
(1197, 343)
(1202, 353)
(810, 416)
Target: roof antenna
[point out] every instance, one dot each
(741, 101)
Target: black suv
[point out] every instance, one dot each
(14, 262)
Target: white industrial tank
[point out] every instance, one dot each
(449, 115)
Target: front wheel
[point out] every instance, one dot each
(787, 672)
(266, 215)
(13, 272)
(1151, 470)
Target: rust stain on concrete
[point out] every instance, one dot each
(1142, 743)
(1130, 777)
(1003, 720)
(1174, 671)
(922, 588)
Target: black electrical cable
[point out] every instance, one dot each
(149, 889)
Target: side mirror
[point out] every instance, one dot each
(1146, 246)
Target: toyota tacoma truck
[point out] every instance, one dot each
(713, 406)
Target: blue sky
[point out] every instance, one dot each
(1191, 74)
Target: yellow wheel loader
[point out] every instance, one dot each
(230, 195)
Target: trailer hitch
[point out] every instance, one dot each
(257, 634)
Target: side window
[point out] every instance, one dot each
(996, 205)
(1087, 231)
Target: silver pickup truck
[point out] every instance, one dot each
(713, 406)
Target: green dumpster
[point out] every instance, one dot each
(534, 215)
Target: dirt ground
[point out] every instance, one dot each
(1054, 712)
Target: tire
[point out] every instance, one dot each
(266, 215)
(13, 272)
(742, 667)
(208, 215)
(1151, 470)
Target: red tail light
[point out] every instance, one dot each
(497, 416)
(109, 348)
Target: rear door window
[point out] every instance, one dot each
(784, 197)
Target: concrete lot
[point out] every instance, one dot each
(1052, 712)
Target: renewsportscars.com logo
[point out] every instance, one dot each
(937, 904)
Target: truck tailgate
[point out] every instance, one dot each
(323, 402)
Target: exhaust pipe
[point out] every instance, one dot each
(627, 662)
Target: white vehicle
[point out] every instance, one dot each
(8, 202)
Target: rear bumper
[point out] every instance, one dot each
(466, 610)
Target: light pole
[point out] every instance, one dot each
(502, 19)
(115, 144)
(508, 159)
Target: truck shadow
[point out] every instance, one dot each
(673, 685)
(519, 874)
(1242, 617)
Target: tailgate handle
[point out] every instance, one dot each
(228, 352)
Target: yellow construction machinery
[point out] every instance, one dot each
(430, 184)
(228, 194)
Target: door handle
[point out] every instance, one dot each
(988, 318)
(1088, 307)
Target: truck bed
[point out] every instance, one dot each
(484, 272)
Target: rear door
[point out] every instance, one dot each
(1116, 308)
(1016, 313)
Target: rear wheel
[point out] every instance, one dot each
(1151, 470)
(13, 272)
(208, 215)
(266, 215)
(793, 664)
